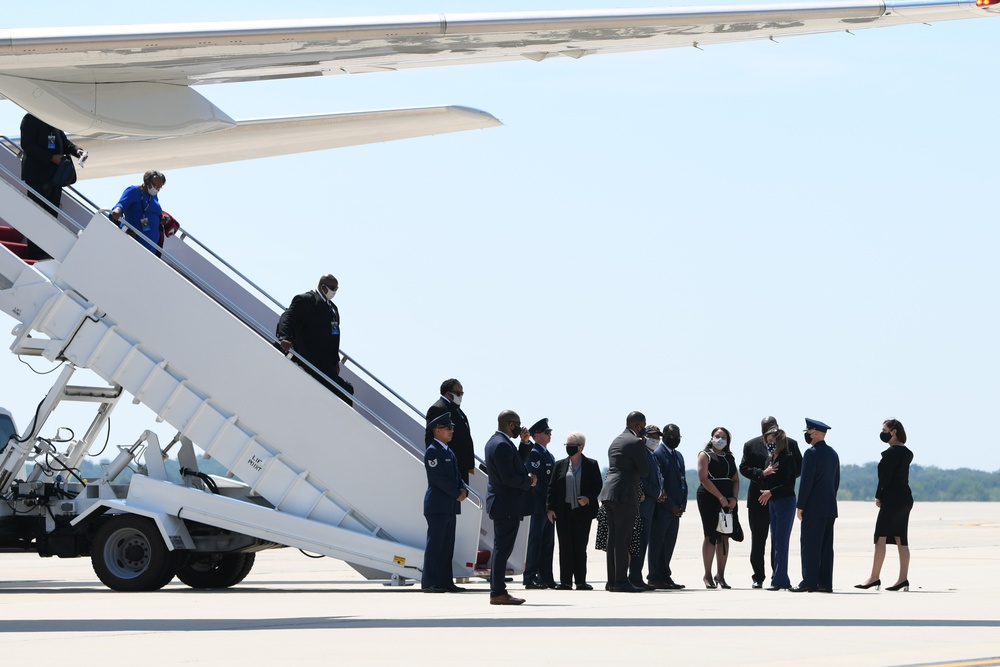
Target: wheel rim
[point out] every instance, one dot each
(127, 553)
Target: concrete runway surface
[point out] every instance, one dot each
(292, 608)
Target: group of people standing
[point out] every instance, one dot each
(641, 501)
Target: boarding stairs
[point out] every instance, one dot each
(192, 339)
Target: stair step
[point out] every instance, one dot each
(19, 249)
(8, 233)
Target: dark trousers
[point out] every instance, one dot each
(439, 551)
(760, 523)
(636, 562)
(621, 519)
(662, 539)
(53, 197)
(573, 529)
(541, 545)
(816, 545)
(782, 518)
(504, 536)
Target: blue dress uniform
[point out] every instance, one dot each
(441, 506)
(818, 502)
(652, 487)
(541, 531)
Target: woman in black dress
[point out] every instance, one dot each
(720, 486)
(894, 500)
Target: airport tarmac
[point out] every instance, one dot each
(293, 608)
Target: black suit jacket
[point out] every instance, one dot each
(461, 440)
(590, 486)
(313, 325)
(507, 493)
(755, 460)
(627, 466)
(37, 168)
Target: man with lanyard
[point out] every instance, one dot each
(311, 327)
(541, 531)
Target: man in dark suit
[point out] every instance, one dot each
(44, 148)
(451, 398)
(817, 509)
(753, 466)
(571, 502)
(652, 490)
(620, 495)
(541, 532)
(311, 327)
(506, 499)
(442, 503)
(668, 513)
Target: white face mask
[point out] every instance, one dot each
(456, 399)
(328, 293)
(152, 190)
(719, 443)
(652, 443)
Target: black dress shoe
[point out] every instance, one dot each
(584, 587)
(674, 586)
(823, 590)
(434, 589)
(660, 585)
(455, 589)
(627, 588)
(551, 584)
(564, 587)
(758, 584)
(802, 589)
(530, 585)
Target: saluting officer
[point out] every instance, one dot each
(442, 503)
(541, 531)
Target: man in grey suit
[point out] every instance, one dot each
(817, 505)
(668, 513)
(620, 497)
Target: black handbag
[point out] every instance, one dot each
(65, 173)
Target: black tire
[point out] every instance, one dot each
(216, 570)
(128, 554)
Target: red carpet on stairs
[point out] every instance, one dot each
(14, 240)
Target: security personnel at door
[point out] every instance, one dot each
(442, 503)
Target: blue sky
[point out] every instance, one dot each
(804, 229)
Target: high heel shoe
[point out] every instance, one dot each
(722, 582)
(877, 584)
(904, 585)
(708, 583)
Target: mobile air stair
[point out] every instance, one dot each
(310, 471)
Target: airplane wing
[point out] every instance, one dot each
(138, 81)
(120, 156)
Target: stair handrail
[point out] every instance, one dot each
(248, 320)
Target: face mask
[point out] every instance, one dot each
(153, 190)
(672, 443)
(719, 443)
(456, 399)
(808, 437)
(770, 448)
(571, 450)
(652, 443)
(885, 436)
(328, 293)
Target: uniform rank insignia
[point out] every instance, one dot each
(432, 463)
(535, 464)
